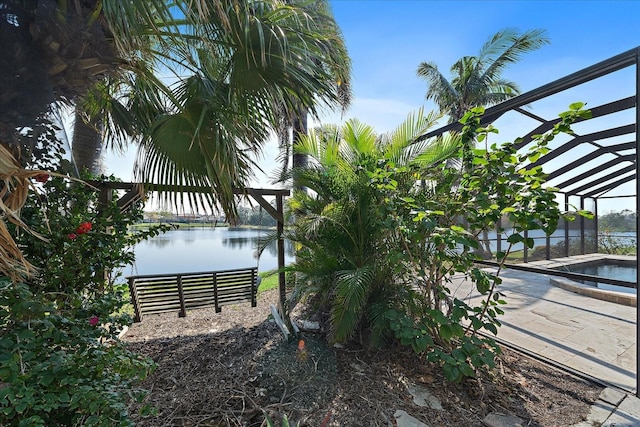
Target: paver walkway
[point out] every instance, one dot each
(586, 334)
(613, 409)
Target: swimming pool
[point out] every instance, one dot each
(609, 268)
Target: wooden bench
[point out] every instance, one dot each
(160, 293)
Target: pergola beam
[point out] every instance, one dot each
(599, 111)
(589, 138)
(590, 173)
(608, 187)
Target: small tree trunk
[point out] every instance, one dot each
(86, 147)
(299, 128)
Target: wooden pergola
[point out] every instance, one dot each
(135, 192)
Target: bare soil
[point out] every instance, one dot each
(231, 368)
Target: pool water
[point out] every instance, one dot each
(612, 271)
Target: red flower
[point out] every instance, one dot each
(72, 236)
(84, 227)
(94, 320)
(43, 177)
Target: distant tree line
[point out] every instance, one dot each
(247, 215)
(618, 221)
(255, 216)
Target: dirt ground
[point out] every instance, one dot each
(231, 368)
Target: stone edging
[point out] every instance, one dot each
(590, 291)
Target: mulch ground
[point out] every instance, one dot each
(232, 368)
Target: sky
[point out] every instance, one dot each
(388, 39)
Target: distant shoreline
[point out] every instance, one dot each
(200, 225)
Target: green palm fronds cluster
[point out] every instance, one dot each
(344, 244)
(477, 80)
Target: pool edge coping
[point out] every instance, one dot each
(579, 288)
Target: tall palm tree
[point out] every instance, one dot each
(270, 61)
(477, 80)
(254, 58)
(294, 123)
(86, 146)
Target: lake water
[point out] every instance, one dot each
(220, 248)
(204, 249)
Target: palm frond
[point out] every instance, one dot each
(13, 195)
(443, 148)
(352, 291)
(400, 145)
(509, 49)
(440, 90)
(496, 44)
(358, 140)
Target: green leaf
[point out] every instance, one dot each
(491, 327)
(46, 378)
(467, 370)
(452, 373)
(586, 214)
(515, 238)
(476, 323)
(446, 332)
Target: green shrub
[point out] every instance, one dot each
(61, 361)
(610, 243)
(390, 221)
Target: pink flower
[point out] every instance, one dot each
(84, 227)
(94, 320)
(72, 236)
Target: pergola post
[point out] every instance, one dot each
(566, 226)
(582, 239)
(282, 289)
(278, 215)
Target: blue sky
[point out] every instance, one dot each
(387, 40)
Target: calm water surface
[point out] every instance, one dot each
(203, 249)
(610, 271)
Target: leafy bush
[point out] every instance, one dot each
(612, 243)
(390, 222)
(61, 361)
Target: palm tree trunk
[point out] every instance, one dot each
(86, 148)
(299, 128)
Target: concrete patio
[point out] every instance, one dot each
(574, 331)
(585, 334)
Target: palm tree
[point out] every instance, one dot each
(477, 80)
(294, 123)
(253, 59)
(251, 66)
(340, 236)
